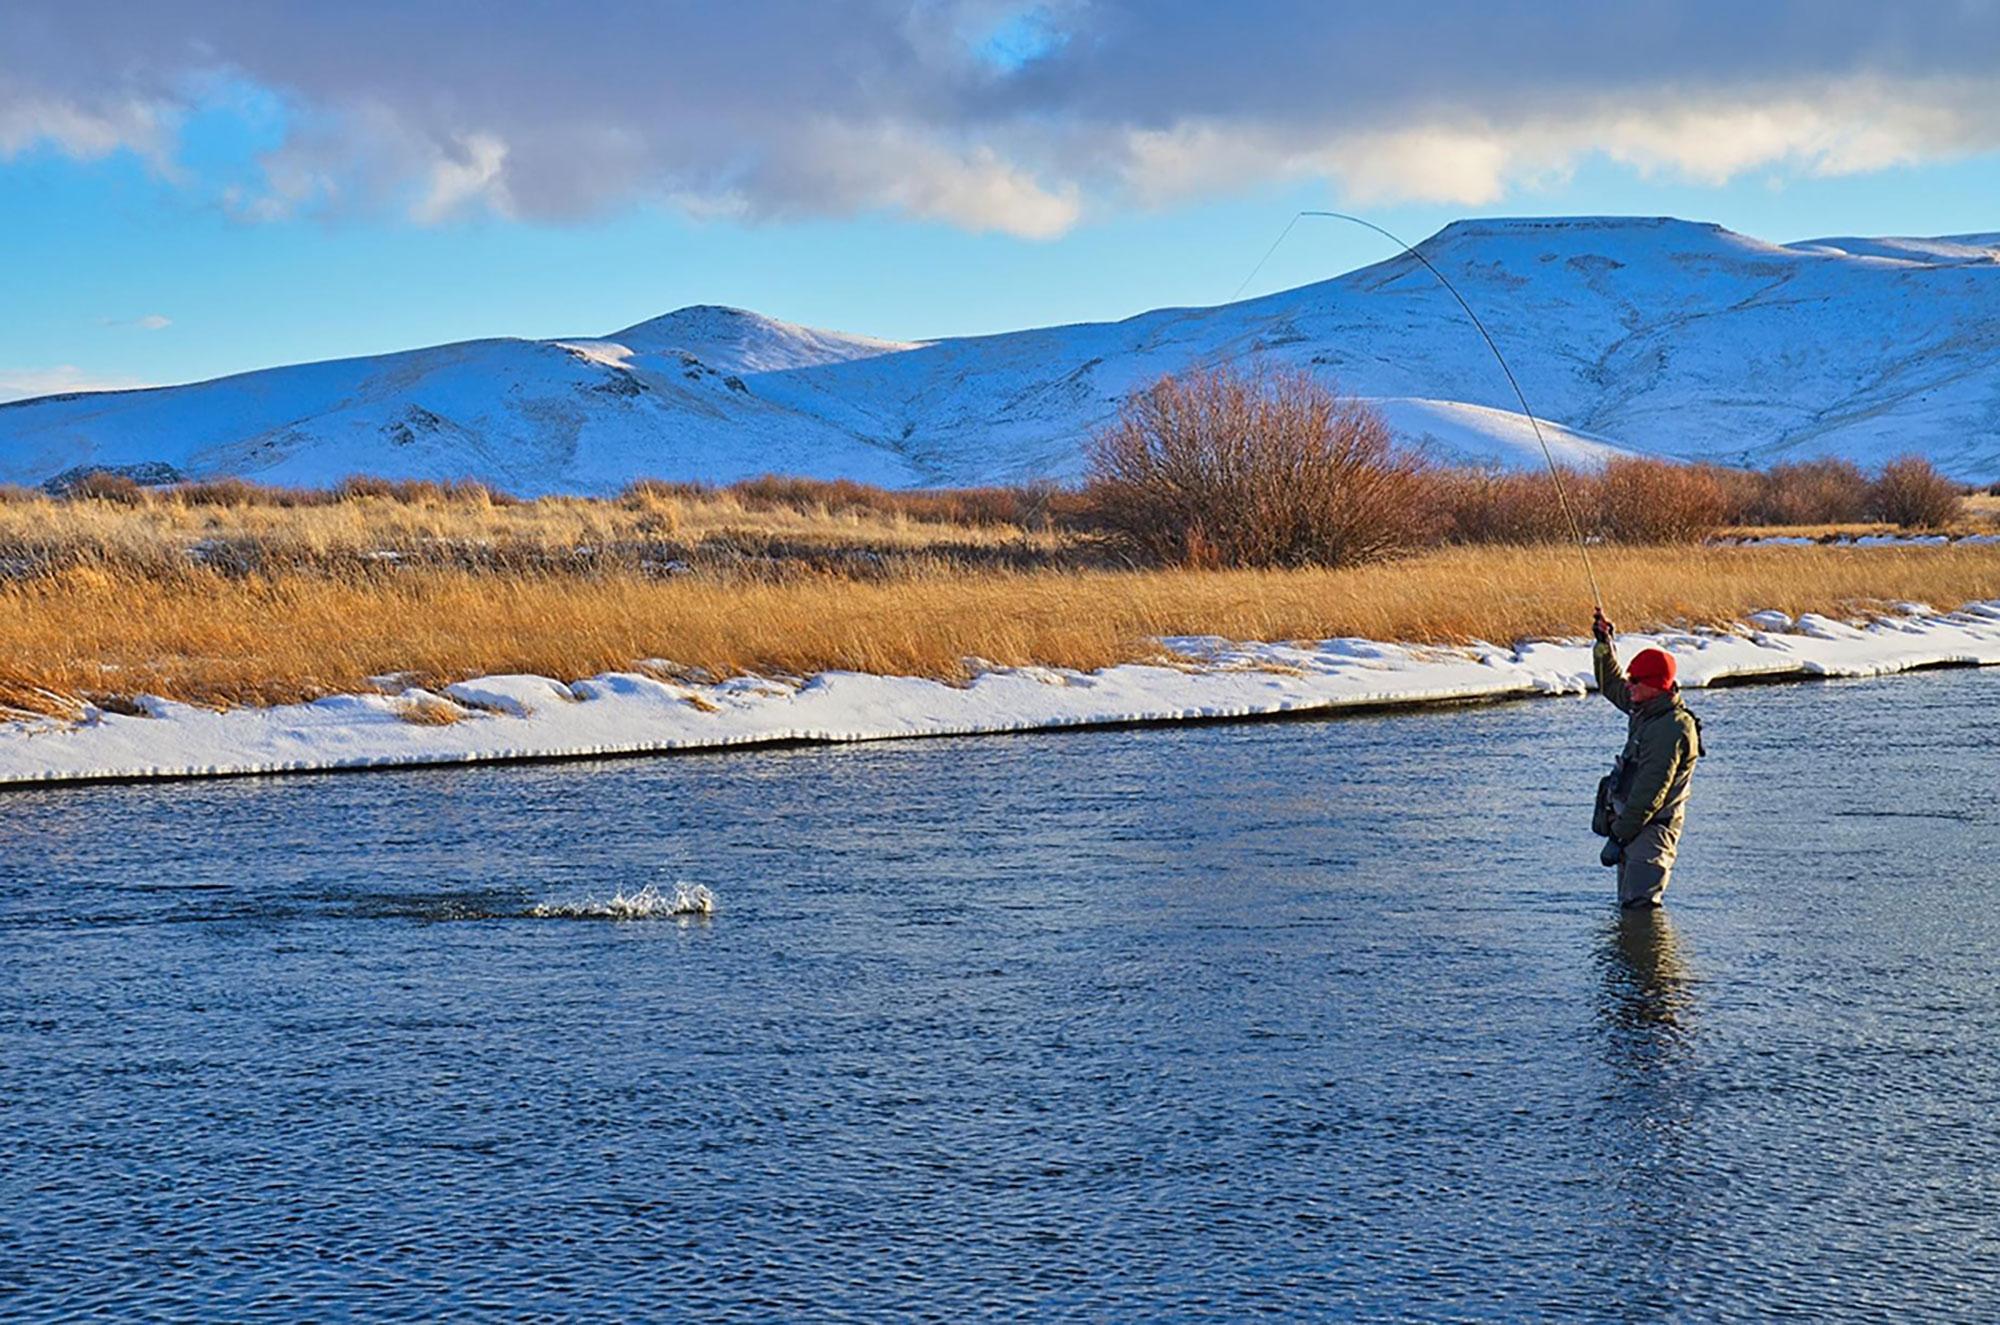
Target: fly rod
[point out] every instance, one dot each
(1562, 495)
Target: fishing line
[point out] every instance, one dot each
(1562, 495)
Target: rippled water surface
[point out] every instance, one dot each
(1315, 1018)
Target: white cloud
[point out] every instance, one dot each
(1852, 127)
(86, 133)
(150, 322)
(24, 383)
(463, 178)
(845, 167)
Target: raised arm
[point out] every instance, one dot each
(1610, 676)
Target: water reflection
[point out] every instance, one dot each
(1648, 1012)
(1649, 1002)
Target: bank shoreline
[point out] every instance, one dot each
(504, 719)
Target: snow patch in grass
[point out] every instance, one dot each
(514, 696)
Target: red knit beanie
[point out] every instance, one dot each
(1653, 667)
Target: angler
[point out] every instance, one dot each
(1642, 803)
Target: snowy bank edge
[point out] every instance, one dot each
(521, 718)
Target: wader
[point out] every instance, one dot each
(1649, 861)
(1649, 802)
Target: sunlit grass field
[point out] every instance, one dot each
(104, 601)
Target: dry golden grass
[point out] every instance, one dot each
(1849, 530)
(162, 528)
(208, 637)
(430, 713)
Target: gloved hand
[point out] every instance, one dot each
(1614, 851)
(1599, 627)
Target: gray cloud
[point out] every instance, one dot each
(779, 108)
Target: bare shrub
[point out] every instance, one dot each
(1742, 491)
(1223, 468)
(233, 493)
(473, 492)
(650, 494)
(1651, 501)
(296, 498)
(1519, 509)
(14, 493)
(1810, 492)
(971, 507)
(990, 507)
(1911, 494)
(422, 492)
(100, 486)
(805, 495)
(1050, 506)
(1993, 490)
(357, 487)
(225, 492)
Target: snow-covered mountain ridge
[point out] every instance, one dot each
(1647, 335)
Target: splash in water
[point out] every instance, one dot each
(650, 903)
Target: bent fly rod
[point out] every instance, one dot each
(1562, 495)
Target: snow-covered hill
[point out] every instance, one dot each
(1649, 335)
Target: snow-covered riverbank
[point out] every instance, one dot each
(526, 717)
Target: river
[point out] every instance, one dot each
(1310, 1017)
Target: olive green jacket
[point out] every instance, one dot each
(1662, 744)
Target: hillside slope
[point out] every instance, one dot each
(1629, 334)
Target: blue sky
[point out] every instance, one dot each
(924, 169)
